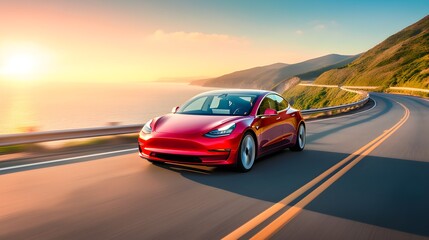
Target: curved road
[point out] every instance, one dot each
(362, 176)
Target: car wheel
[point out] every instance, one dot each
(300, 139)
(246, 153)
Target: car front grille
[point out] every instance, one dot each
(176, 158)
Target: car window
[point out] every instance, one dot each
(268, 102)
(282, 104)
(220, 104)
(215, 102)
(197, 104)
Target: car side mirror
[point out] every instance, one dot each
(270, 112)
(174, 110)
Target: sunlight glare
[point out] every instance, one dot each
(22, 63)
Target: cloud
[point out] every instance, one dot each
(333, 23)
(320, 26)
(299, 32)
(196, 37)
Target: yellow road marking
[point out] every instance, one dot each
(283, 219)
(251, 224)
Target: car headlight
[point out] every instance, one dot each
(222, 131)
(147, 129)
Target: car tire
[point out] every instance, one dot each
(246, 153)
(300, 139)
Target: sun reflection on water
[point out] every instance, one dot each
(18, 112)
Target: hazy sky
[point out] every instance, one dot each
(145, 40)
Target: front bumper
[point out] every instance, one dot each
(190, 149)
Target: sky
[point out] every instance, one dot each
(134, 41)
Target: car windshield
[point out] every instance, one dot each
(220, 104)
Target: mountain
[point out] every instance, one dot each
(400, 60)
(235, 79)
(312, 75)
(266, 77)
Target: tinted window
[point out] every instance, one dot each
(197, 104)
(282, 104)
(268, 102)
(220, 104)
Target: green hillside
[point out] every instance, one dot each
(303, 97)
(401, 60)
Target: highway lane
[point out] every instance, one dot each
(384, 196)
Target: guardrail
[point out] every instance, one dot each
(410, 89)
(336, 108)
(37, 137)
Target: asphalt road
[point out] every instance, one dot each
(361, 176)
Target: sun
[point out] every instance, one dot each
(22, 63)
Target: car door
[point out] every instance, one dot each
(287, 119)
(270, 127)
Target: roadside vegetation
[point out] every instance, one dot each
(304, 97)
(12, 149)
(408, 92)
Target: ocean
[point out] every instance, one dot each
(46, 107)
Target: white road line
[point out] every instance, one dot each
(66, 159)
(326, 119)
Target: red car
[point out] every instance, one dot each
(224, 127)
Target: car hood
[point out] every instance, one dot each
(190, 124)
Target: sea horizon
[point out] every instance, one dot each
(48, 107)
